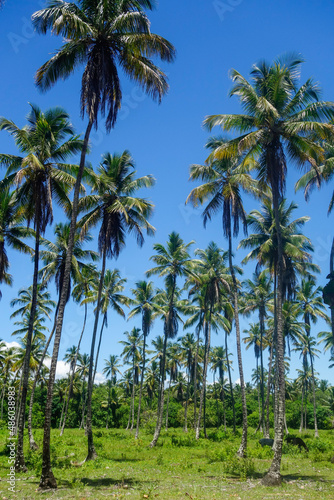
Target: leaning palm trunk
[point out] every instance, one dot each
(99, 345)
(141, 382)
(273, 476)
(32, 443)
(230, 382)
(91, 450)
(73, 373)
(19, 462)
(47, 478)
(161, 397)
(243, 445)
(205, 368)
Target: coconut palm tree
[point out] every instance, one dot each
(82, 370)
(40, 176)
(172, 367)
(278, 123)
(145, 305)
(171, 261)
(104, 37)
(219, 363)
(223, 179)
(111, 368)
(188, 355)
(312, 308)
(114, 205)
(12, 232)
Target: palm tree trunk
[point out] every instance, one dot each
(185, 428)
(331, 270)
(262, 370)
(243, 445)
(19, 462)
(18, 404)
(161, 397)
(273, 477)
(83, 398)
(109, 391)
(73, 373)
(316, 433)
(195, 378)
(64, 402)
(99, 345)
(47, 478)
(205, 368)
(32, 443)
(230, 383)
(268, 392)
(141, 381)
(91, 450)
(302, 410)
(167, 406)
(133, 393)
(216, 398)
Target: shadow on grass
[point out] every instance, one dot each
(108, 481)
(305, 477)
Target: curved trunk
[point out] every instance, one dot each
(19, 462)
(104, 321)
(91, 450)
(73, 373)
(243, 445)
(47, 478)
(273, 476)
(230, 382)
(141, 382)
(33, 445)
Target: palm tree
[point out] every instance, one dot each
(44, 303)
(171, 261)
(104, 36)
(210, 276)
(46, 142)
(278, 123)
(219, 362)
(111, 368)
(188, 355)
(132, 354)
(145, 305)
(113, 204)
(254, 340)
(223, 179)
(172, 367)
(12, 232)
(312, 308)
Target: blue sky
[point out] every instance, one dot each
(211, 37)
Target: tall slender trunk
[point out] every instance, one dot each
(20, 462)
(216, 398)
(185, 428)
(82, 423)
(261, 319)
(205, 368)
(267, 404)
(308, 333)
(302, 410)
(64, 402)
(73, 373)
(230, 382)
(195, 377)
(222, 397)
(331, 270)
(104, 321)
(273, 476)
(167, 409)
(145, 331)
(33, 445)
(133, 393)
(18, 404)
(47, 478)
(243, 445)
(91, 449)
(259, 427)
(161, 397)
(108, 409)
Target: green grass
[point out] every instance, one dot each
(179, 467)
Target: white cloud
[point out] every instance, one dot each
(237, 382)
(62, 368)
(99, 378)
(11, 344)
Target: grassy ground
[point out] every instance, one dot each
(179, 467)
